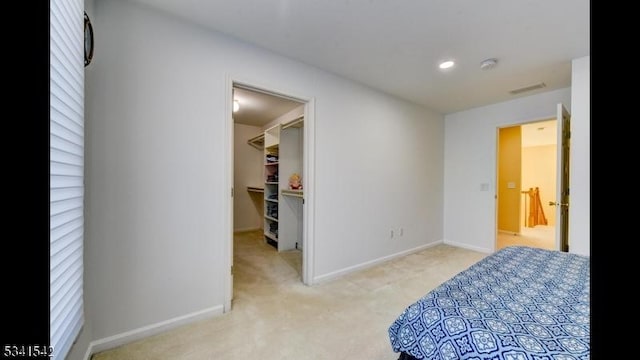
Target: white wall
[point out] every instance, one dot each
(156, 180)
(248, 169)
(470, 160)
(580, 155)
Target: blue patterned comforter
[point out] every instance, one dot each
(519, 303)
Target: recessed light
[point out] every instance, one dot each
(446, 64)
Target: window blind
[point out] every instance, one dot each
(66, 169)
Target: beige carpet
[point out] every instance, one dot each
(276, 317)
(540, 236)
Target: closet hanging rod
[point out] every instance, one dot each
(256, 138)
(257, 141)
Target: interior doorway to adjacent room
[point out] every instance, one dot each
(526, 183)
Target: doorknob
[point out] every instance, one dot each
(551, 203)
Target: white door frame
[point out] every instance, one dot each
(308, 173)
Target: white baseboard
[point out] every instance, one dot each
(368, 264)
(149, 330)
(469, 247)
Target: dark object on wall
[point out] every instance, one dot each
(88, 40)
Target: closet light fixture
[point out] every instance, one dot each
(446, 64)
(236, 105)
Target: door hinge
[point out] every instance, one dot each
(231, 269)
(231, 192)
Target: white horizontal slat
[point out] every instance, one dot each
(68, 261)
(66, 31)
(65, 193)
(65, 145)
(65, 217)
(71, 121)
(56, 168)
(60, 181)
(61, 73)
(61, 206)
(59, 234)
(66, 326)
(63, 102)
(63, 131)
(63, 298)
(65, 157)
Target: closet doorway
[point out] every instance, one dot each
(270, 179)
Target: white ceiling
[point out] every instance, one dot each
(396, 45)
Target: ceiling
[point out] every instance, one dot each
(396, 46)
(257, 108)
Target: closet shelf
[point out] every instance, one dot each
(270, 164)
(271, 236)
(271, 218)
(271, 200)
(257, 142)
(255, 189)
(296, 193)
(295, 123)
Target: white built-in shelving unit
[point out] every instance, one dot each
(282, 147)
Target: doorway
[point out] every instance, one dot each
(255, 115)
(532, 183)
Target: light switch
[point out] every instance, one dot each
(511, 185)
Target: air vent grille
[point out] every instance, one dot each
(527, 88)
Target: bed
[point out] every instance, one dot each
(519, 303)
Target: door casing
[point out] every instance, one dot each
(308, 174)
(562, 117)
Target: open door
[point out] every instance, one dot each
(562, 188)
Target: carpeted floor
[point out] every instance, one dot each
(276, 317)
(541, 236)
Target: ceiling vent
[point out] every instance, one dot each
(489, 64)
(527, 88)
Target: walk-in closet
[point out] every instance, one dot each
(268, 171)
